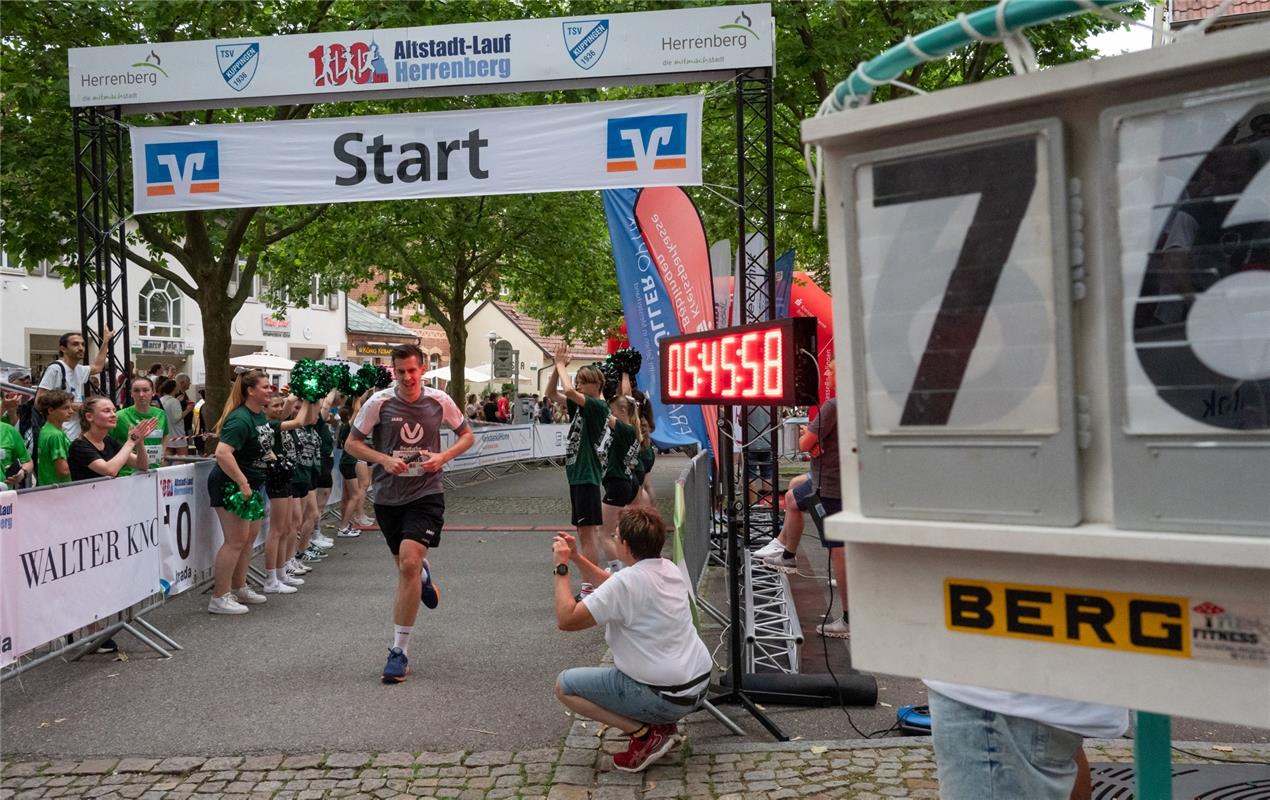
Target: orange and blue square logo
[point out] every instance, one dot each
(653, 142)
(182, 168)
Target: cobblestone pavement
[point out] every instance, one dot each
(579, 769)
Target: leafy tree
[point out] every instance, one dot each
(446, 253)
(818, 44)
(439, 253)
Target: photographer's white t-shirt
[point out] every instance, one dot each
(648, 625)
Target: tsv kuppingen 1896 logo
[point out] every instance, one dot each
(585, 40)
(238, 63)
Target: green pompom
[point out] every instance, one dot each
(248, 508)
(383, 377)
(309, 380)
(367, 376)
(342, 379)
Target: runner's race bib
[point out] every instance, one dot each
(414, 458)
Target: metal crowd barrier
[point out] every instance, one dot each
(546, 448)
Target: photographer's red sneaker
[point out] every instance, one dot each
(645, 751)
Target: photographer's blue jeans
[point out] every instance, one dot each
(984, 755)
(612, 689)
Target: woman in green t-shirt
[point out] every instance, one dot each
(621, 455)
(243, 450)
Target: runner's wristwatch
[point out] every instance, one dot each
(561, 569)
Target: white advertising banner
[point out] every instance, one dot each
(73, 555)
(497, 445)
(549, 440)
(553, 148)
(190, 533)
(511, 55)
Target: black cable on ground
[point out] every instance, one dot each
(824, 641)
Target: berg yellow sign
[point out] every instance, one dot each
(1137, 623)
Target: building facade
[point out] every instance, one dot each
(494, 320)
(429, 336)
(36, 308)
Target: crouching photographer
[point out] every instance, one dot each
(661, 668)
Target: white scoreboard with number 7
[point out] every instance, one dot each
(1055, 292)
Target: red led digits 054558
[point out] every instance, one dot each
(768, 363)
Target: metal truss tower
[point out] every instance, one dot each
(101, 214)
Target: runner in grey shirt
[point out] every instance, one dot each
(398, 432)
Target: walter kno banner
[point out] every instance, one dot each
(552, 148)
(73, 555)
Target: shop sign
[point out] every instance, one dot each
(170, 346)
(272, 326)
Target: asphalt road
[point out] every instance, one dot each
(301, 674)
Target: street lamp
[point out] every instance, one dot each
(493, 340)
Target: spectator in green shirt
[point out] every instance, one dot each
(587, 413)
(15, 461)
(53, 444)
(156, 443)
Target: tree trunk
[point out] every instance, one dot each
(217, 321)
(458, 363)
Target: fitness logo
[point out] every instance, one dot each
(1220, 633)
(182, 168)
(585, 40)
(643, 144)
(238, 63)
(338, 64)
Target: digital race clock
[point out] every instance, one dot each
(764, 364)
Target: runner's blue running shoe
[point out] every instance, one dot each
(397, 667)
(431, 594)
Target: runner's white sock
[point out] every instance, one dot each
(423, 573)
(401, 637)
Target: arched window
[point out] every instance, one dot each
(159, 312)
(435, 358)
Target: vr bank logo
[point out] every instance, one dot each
(182, 168)
(658, 141)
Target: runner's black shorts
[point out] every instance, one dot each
(419, 521)
(324, 479)
(217, 481)
(348, 471)
(620, 492)
(584, 498)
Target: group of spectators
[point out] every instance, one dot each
(497, 409)
(69, 430)
(283, 446)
